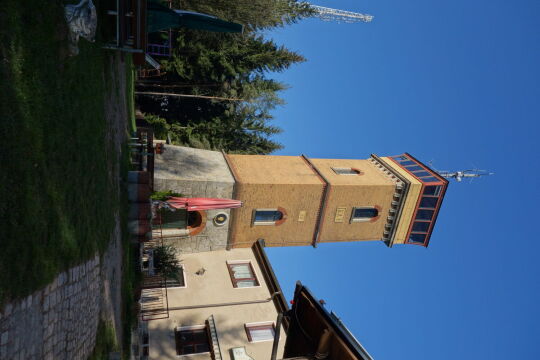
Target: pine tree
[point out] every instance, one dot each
(253, 14)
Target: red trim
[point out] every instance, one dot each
(236, 280)
(259, 327)
(283, 217)
(443, 183)
(197, 229)
(379, 211)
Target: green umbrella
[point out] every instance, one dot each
(161, 17)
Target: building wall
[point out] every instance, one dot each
(369, 189)
(196, 173)
(275, 182)
(409, 206)
(212, 288)
(292, 199)
(268, 169)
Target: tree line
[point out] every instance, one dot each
(226, 96)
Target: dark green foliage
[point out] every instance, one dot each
(105, 341)
(159, 125)
(233, 69)
(164, 195)
(166, 263)
(253, 14)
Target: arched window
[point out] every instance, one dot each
(266, 216)
(364, 214)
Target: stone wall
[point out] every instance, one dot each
(196, 173)
(57, 322)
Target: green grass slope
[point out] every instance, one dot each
(57, 198)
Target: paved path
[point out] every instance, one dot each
(60, 320)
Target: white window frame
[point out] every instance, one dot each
(365, 219)
(238, 262)
(185, 280)
(353, 172)
(263, 223)
(260, 323)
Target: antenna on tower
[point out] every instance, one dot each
(329, 14)
(460, 175)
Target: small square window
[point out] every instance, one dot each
(417, 238)
(421, 226)
(242, 274)
(424, 214)
(421, 174)
(408, 162)
(191, 340)
(428, 202)
(432, 190)
(346, 171)
(260, 332)
(429, 179)
(414, 168)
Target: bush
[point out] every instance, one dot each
(166, 263)
(164, 195)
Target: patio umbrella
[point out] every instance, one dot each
(192, 204)
(160, 17)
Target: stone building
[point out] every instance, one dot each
(295, 200)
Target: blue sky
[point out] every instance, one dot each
(456, 83)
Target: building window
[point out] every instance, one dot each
(177, 280)
(191, 340)
(242, 274)
(421, 226)
(429, 202)
(363, 214)
(424, 214)
(266, 216)
(346, 171)
(260, 331)
(417, 238)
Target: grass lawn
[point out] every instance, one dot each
(105, 342)
(57, 197)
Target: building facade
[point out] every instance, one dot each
(226, 309)
(295, 200)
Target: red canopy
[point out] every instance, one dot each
(192, 204)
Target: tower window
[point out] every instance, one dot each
(414, 168)
(417, 238)
(346, 171)
(424, 214)
(428, 202)
(421, 226)
(432, 190)
(363, 214)
(266, 216)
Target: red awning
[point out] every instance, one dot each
(192, 204)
